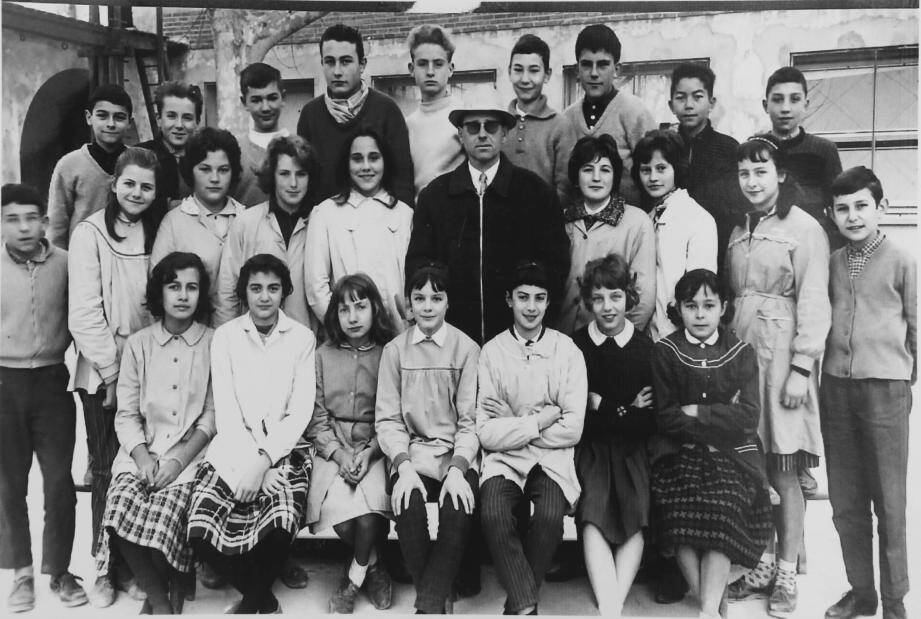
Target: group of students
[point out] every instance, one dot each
(635, 333)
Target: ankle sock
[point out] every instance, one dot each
(763, 573)
(357, 572)
(19, 572)
(787, 566)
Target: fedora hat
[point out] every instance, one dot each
(481, 103)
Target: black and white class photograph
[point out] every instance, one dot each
(502, 307)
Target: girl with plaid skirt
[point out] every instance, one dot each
(164, 420)
(348, 487)
(251, 490)
(710, 496)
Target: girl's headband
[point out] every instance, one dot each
(763, 140)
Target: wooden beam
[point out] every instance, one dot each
(354, 6)
(682, 6)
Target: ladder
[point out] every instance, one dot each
(153, 70)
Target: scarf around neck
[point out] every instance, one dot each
(345, 110)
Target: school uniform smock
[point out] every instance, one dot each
(362, 234)
(193, 228)
(708, 481)
(779, 275)
(426, 398)
(108, 283)
(256, 231)
(611, 459)
(343, 416)
(617, 228)
(164, 395)
(686, 239)
(548, 372)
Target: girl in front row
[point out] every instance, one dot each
(251, 489)
(611, 459)
(708, 485)
(348, 486)
(162, 430)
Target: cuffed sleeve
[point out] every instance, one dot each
(129, 422)
(813, 308)
(572, 399)
(284, 434)
(500, 433)
(388, 414)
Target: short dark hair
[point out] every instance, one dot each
(354, 287)
(766, 147)
(433, 273)
(611, 271)
(208, 140)
(21, 193)
(113, 93)
(590, 148)
(259, 75)
(854, 179)
(598, 38)
(693, 70)
(528, 273)
(264, 263)
(165, 272)
(150, 218)
(341, 32)
(532, 44)
(180, 90)
(344, 179)
(786, 75)
(300, 151)
(430, 33)
(670, 144)
(688, 286)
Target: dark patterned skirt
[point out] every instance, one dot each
(704, 500)
(153, 519)
(233, 528)
(615, 488)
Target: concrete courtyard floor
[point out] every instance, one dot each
(821, 586)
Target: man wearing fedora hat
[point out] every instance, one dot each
(483, 217)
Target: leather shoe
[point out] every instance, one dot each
(851, 605)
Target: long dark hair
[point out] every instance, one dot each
(352, 288)
(344, 179)
(150, 218)
(671, 145)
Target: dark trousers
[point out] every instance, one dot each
(521, 560)
(103, 447)
(434, 565)
(865, 431)
(37, 415)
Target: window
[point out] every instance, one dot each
(866, 101)
(402, 88)
(297, 93)
(650, 80)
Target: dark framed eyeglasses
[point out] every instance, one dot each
(472, 127)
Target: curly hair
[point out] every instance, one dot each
(165, 272)
(301, 152)
(208, 140)
(590, 148)
(264, 263)
(612, 272)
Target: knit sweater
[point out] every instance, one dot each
(814, 163)
(433, 140)
(528, 144)
(874, 316)
(79, 187)
(247, 191)
(626, 119)
(379, 112)
(33, 308)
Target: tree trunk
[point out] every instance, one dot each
(242, 37)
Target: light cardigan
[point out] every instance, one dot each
(363, 234)
(188, 227)
(263, 393)
(164, 393)
(108, 284)
(686, 239)
(550, 372)
(256, 231)
(433, 141)
(79, 187)
(874, 317)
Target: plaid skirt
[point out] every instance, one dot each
(234, 528)
(704, 500)
(153, 519)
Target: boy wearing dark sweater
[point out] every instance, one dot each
(37, 414)
(871, 361)
(81, 180)
(811, 160)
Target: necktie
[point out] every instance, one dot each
(481, 188)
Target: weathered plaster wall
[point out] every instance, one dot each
(744, 48)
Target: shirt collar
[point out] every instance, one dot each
(490, 173)
(524, 341)
(191, 206)
(621, 339)
(543, 110)
(438, 337)
(356, 199)
(710, 341)
(868, 248)
(284, 324)
(191, 335)
(40, 257)
(262, 139)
